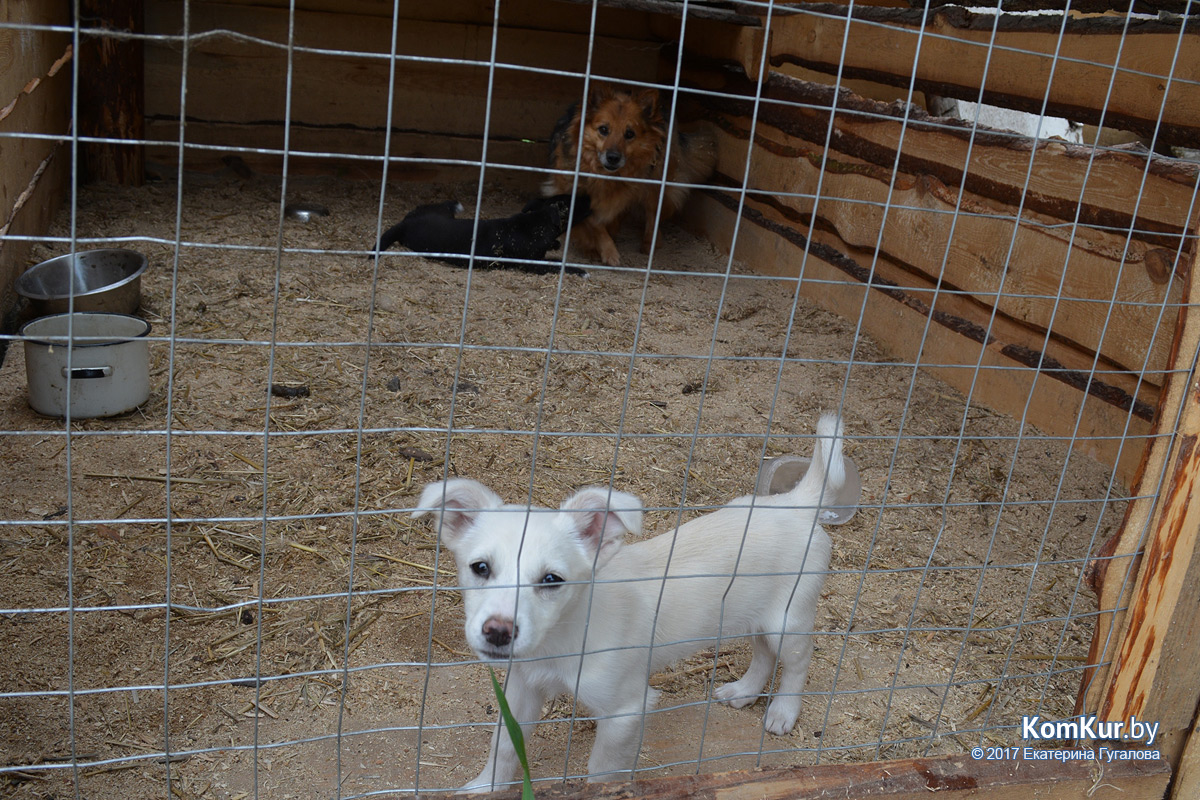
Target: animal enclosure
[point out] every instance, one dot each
(223, 594)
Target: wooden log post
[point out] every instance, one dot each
(1149, 578)
(111, 91)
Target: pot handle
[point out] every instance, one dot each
(79, 373)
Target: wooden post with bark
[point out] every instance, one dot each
(111, 91)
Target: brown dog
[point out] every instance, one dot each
(624, 136)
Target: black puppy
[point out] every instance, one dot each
(528, 235)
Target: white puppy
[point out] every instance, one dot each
(553, 594)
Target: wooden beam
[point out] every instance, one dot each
(1003, 375)
(1147, 578)
(720, 41)
(332, 152)
(674, 9)
(346, 89)
(908, 779)
(1028, 63)
(1087, 288)
(1121, 191)
(1024, 346)
(1154, 647)
(564, 17)
(111, 91)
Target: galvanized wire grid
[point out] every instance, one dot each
(162, 754)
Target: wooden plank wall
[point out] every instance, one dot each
(340, 94)
(1014, 255)
(35, 96)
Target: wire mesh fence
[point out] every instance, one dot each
(225, 594)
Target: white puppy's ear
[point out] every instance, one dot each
(455, 504)
(602, 517)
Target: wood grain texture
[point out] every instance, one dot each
(1082, 287)
(35, 95)
(1120, 190)
(1002, 375)
(1156, 674)
(1147, 577)
(111, 91)
(350, 154)
(1028, 64)
(908, 779)
(442, 77)
(560, 16)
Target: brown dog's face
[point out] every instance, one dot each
(623, 132)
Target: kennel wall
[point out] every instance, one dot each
(35, 82)
(1052, 281)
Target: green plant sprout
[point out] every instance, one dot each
(514, 733)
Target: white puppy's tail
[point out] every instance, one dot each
(827, 473)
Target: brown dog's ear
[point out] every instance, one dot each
(598, 93)
(601, 518)
(455, 504)
(648, 100)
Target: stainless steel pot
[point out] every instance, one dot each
(109, 371)
(102, 280)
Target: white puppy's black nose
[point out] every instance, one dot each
(499, 631)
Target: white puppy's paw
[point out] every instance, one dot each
(473, 788)
(478, 785)
(735, 694)
(781, 715)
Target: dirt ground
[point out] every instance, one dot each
(955, 605)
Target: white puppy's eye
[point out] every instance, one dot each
(481, 569)
(550, 579)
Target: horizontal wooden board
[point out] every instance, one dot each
(536, 14)
(1087, 288)
(442, 78)
(351, 154)
(948, 777)
(539, 14)
(989, 367)
(1144, 77)
(1018, 342)
(1120, 190)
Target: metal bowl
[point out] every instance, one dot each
(102, 280)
